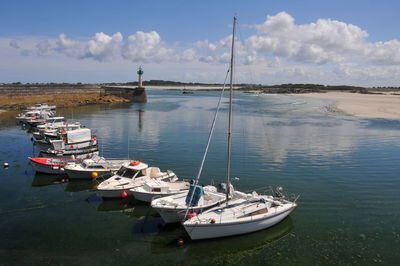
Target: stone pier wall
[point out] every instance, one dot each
(25, 90)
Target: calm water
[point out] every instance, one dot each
(346, 170)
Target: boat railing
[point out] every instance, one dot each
(276, 193)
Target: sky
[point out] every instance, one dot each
(323, 42)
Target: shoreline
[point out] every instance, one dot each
(361, 105)
(383, 105)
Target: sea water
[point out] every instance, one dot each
(345, 169)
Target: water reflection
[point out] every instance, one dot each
(114, 205)
(128, 206)
(7, 119)
(167, 238)
(41, 180)
(80, 185)
(320, 136)
(340, 165)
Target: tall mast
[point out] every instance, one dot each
(230, 114)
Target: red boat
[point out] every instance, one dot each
(50, 165)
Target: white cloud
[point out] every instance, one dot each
(187, 55)
(281, 22)
(145, 47)
(279, 51)
(324, 42)
(68, 47)
(385, 53)
(103, 47)
(43, 48)
(14, 44)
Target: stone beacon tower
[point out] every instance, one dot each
(133, 94)
(140, 94)
(140, 73)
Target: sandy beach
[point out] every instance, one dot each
(363, 105)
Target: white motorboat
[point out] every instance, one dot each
(47, 133)
(43, 117)
(131, 175)
(241, 213)
(79, 143)
(94, 167)
(35, 111)
(53, 122)
(174, 208)
(42, 106)
(158, 188)
(23, 117)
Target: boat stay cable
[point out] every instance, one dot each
(196, 181)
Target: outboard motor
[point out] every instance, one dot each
(222, 188)
(279, 192)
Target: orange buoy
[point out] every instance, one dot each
(124, 194)
(134, 163)
(94, 175)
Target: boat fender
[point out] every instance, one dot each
(94, 175)
(212, 221)
(124, 194)
(134, 163)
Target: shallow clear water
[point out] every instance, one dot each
(345, 169)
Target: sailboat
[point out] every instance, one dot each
(241, 213)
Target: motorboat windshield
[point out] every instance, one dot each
(129, 172)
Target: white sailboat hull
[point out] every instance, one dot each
(171, 216)
(174, 215)
(198, 231)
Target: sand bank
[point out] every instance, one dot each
(363, 105)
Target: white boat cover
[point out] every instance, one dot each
(79, 135)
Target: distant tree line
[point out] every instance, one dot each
(278, 88)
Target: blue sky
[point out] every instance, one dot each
(328, 42)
